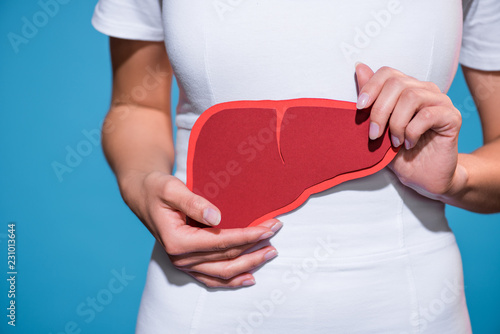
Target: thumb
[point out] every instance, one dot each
(194, 206)
(363, 75)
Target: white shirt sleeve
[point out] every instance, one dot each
(481, 35)
(129, 19)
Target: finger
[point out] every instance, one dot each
(385, 103)
(214, 282)
(199, 257)
(363, 74)
(371, 89)
(179, 197)
(273, 224)
(185, 239)
(230, 253)
(231, 268)
(445, 121)
(410, 102)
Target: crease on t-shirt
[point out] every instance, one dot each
(415, 315)
(206, 62)
(198, 311)
(466, 5)
(431, 57)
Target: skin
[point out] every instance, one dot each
(138, 144)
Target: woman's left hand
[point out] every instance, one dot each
(423, 121)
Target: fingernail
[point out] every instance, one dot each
(362, 101)
(276, 226)
(211, 216)
(374, 130)
(395, 141)
(271, 254)
(248, 282)
(407, 144)
(356, 64)
(266, 235)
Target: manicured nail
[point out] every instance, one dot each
(271, 254)
(374, 130)
(276, 227)
(211, 216)
(407, 144)
(362, 101)
(266, 235)
(395, 141)
(248, 282)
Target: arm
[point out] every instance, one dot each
(481, 192)
(137, 132)
(138, 144)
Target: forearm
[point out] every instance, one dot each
(137, 140)
(478, 187)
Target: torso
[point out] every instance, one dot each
(369, 255)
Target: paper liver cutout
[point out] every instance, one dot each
(256, 160)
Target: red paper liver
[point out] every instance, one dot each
(255, 160)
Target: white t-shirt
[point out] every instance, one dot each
(368, 256)
(481, 37)
(141, 20)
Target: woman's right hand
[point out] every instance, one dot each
(210, 255)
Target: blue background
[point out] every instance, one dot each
(72, 234)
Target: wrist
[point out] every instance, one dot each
(130, 184)
(458, 186)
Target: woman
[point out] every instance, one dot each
(373, 255)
